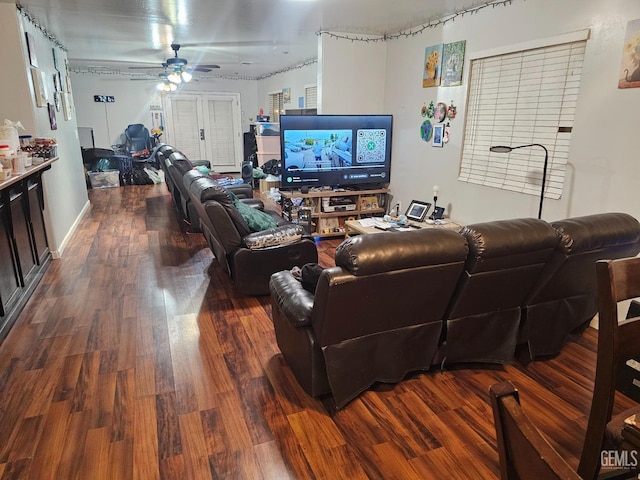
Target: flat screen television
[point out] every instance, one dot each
(335, 150)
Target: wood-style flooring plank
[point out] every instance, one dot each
(136, 358)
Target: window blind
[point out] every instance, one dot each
(276, 106)
(311, 97)
(517, 99)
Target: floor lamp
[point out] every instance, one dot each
(505, 149)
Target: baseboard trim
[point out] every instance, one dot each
(55, 254)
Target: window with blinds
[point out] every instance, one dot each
(311, 97)
(276, 106)
(518, 99)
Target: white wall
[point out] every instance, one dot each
(603, 168)
(133, 100)
(296, 80)
(64, 185)
(352, 76)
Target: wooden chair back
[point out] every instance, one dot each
(524, 452)
(618, 280)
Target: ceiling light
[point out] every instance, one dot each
(186, 77)
(166, 86)
(174, 77)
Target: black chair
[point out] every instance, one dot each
(137, 138)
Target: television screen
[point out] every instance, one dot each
(335, 150)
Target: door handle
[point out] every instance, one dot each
(202, 134)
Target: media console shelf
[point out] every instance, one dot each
(324, 212)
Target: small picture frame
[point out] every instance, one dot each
(417, 210)
(438, 135)
(437, 214)
(31, 48)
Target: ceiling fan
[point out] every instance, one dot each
(176, 67)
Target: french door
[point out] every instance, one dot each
(206, 127)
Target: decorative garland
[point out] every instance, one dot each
(413, 32)
(305, 63)
(119, 73)
(36, 24)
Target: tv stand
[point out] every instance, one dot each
(324, 212)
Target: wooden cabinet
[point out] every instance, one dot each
(324, 212)
(24, 250)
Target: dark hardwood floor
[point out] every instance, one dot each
(137, 359)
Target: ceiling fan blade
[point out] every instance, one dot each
(213, 65)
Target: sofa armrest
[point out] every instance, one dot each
(273, 237)
(242, 190)
(291, 299)
(253, 202)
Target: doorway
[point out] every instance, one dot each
(206, 127)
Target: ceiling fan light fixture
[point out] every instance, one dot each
(174, 77)
(186, 77)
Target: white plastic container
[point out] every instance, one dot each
(18, 163)
(6, 156)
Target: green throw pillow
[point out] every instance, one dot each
(256, 219)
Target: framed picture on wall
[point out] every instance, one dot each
(52, 116)
(67, 105)
(31, 47)
(39, 87)
(438, 135)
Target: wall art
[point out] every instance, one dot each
(67, 105)
(31, 47)
(629, 76)
(426, 130)
(452, 63)
(438, 135)
(52, 116)
(39, 87)
(432, 67)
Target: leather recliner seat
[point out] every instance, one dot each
(236, 248)
(375, 316)
(565, 299)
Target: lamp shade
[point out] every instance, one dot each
(174, 77)
(186, 77)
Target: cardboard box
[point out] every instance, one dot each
(266, 186)
(106, 179)
(268, 145)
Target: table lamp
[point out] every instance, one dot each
(506, 149)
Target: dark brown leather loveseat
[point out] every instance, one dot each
(375, 315)
(250, 258)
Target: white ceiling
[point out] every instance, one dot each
(247, 38)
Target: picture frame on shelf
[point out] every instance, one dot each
(417, 210)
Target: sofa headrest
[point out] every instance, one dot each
(165, 150)
(192, 175)
(509, 243)
(594, 232)
(206, 188)
(384, 252)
